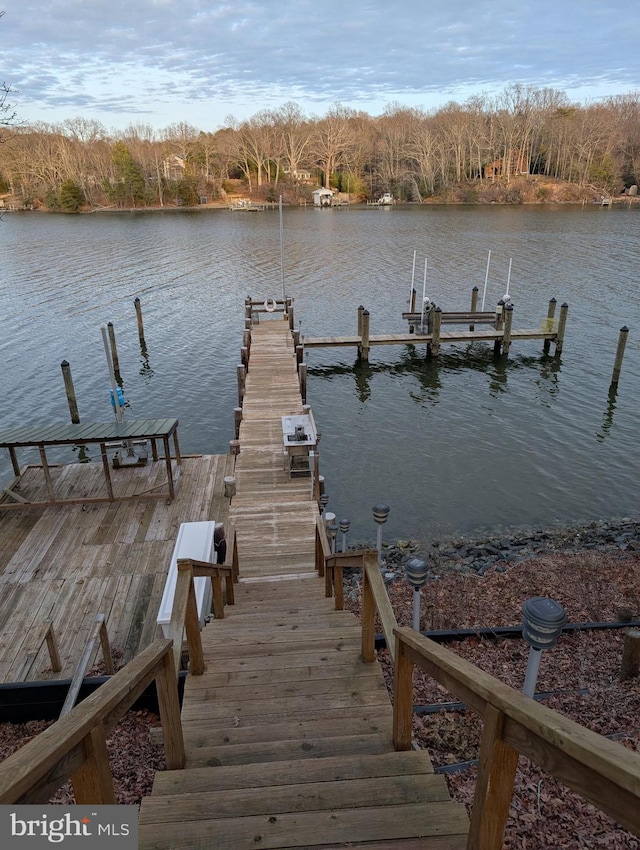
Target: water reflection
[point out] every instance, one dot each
(428, 371)
(607, 419)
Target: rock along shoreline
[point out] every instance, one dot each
(464, 554)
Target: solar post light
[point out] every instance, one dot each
(324, 501)
(416, 571)
(344, 525)
(542, 622)
(380, 514)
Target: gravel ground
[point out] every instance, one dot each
(592, 585)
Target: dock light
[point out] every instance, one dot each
(542, 622)
(416, 571)
(324, 501)
(380, 514)
(345, 525)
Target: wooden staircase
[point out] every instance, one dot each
(288, 732)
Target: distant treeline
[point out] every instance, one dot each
(459, 148)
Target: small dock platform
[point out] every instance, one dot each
(288, 732)
(67, 563)
(473, 326)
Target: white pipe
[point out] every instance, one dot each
(531, 676)
(509, 275)
(344, 541)
(424, 293)
(281, 247)
(379, 544)
(413, 276)
(112, 377)
(416, 609)
(486, 278)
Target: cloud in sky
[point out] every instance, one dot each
(162, 61)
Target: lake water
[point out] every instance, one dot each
(458, 445)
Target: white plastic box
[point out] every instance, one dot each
(195, 540)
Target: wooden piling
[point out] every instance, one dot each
(412, 301)
(299, 355)
(508, 321)
(70, 391)
(246, 340)
(302, 375)
(499, 315)
(237, 419)
(360, 312)
(296, 339)
(234, 447)
(241, 375)
(229, 486)
(433, 349)
(363, 348)
(247, 324)
(474, 304)
(622, 341)
(630, 655)
(114, 351)
(248, 313)
(244, 357)
(138, 306)
(551, 312)
(290, 313)
(562, 324)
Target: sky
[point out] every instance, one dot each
(160, 62)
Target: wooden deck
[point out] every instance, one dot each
(69, 563)
(289, 733)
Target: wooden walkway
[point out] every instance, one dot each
(288, 733)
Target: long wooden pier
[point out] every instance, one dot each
(288, 733)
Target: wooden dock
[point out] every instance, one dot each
(70, 562)
(288, 733)
(496, 327)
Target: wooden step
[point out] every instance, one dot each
(308, 829)
(198, 733)
(292, 772)
(269, 751)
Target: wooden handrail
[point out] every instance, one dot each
(375, 598)
(323, 547)
(601, 771)
(74, 746)
(215, 572)
(335, 564)
(99, 632)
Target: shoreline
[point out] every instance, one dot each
(475, 555)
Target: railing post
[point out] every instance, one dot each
(191, 619)
(92, 782)
(368, 619)
(494, 786)
(402, 698)
(169, 706)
